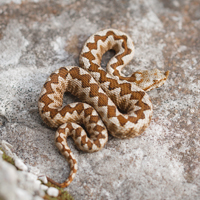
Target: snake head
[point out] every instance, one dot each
(150, 79)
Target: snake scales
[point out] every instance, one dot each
(113, 103)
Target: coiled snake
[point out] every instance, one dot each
(113, 103)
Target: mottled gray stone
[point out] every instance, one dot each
(37, 37)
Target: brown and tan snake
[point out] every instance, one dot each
(113, 103)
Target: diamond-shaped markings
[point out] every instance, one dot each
(89, 144)
(111, 111)
(97, 143)
(100, 136)
(94, 90)
(66, 109)
(70, 127)
(88, 112)
(102, 100)
(99, 128)
(54, 79)
(137, 95)
(83, 140)
(88, 55)
(113, 84)
(122, 120)
(63, 72)
(143, 106)
(70, 158)
(59, 139)
(94, 67)
(94, 119)
(140, 114)
(133, 119)
(116, 73)
(79, 108)
(85, 78)
(78, 133)
(103, 77)
(125, 88)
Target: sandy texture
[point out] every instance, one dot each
(37, 37)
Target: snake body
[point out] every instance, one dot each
(112, 103)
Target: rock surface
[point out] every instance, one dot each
(38, 36)
(15, 184)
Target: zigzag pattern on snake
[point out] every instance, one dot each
(112, 103)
